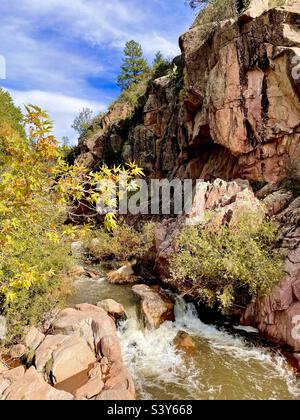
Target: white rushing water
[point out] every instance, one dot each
(223, 366)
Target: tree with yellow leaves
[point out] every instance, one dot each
(37, 190)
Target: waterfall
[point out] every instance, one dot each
(161, 371)
(223, 366)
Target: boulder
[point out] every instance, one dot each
(61, 357)
(33, 338)
(17, 351)
(156, 306)
(184, 341)
(93, 387)
(110, 348)
(68, 358)
(88, 321)
(77, 249)
(77, 271)
(71, 358)
(113, 309)
(44, 352)
(20, 385)
(119, 379)
(97, 329)
(124, 275)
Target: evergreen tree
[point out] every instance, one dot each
(134, 65)
(159, 58)
(65, 141)
(161, 65)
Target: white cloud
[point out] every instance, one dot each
(62, 109)
(112, 23)
(65, 54)
(37, 63)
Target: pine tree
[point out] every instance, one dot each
(134, 65)
(159, 58)
(161, 65)
(65, 141)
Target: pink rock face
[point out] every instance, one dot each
(165, 235)
(277, 316)
(236, 113)
(93, 387)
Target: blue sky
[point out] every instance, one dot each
(65, 54)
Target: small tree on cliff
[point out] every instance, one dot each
(161, 65)
(83, 121)
(239, 4)
(134, 65)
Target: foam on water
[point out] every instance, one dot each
(161, 371)
(224, 366)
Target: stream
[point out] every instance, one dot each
(224, 366)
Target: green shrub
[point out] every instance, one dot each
(161, 66)
(122, 244)
(215, 12)
(132, 94)
(229, 262)
(32, 306)
(11, 114)
(218, 10)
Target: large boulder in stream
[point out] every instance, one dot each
(124, 275)
(156, 306)
(113, 308)
(81, 357)
(184, 341)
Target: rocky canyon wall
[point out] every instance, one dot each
(231, 111)
(235, 111)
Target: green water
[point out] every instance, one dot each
(222, 367)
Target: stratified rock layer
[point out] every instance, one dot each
(277, 316)
(235, 114)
